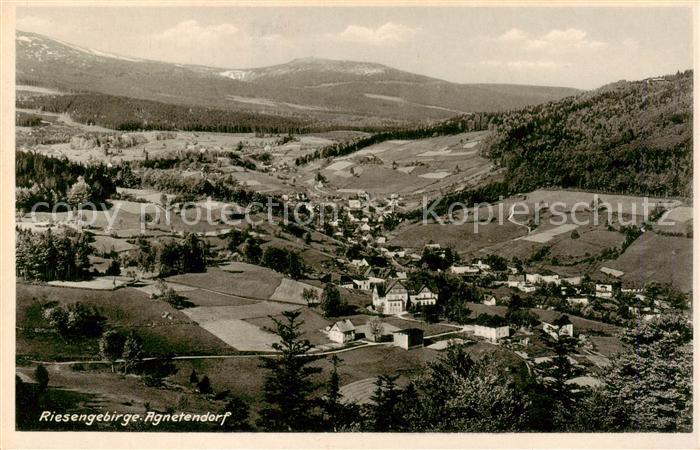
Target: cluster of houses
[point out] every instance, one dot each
(363, 218)
(394, 297)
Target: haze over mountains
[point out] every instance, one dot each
(346, 92)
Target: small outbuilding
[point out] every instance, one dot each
(408, 338)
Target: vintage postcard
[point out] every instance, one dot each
(295, 225)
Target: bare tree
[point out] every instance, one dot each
(376, 328)
(310, 295)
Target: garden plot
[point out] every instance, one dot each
(313, 326)
(133, 207)
(548, 235)
(652, 257)
(382, 147)
(407, 169)
(445, 151)
(148, 195)
(442, 345)
(201, 297)
(387, 329)
(589, 243)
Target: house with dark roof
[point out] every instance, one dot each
(394, 297)
(424, 297)
(390, 298)
(491, 327)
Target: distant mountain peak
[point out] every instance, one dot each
(331, 90)
(44, 48)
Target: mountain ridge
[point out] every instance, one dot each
(334, 91)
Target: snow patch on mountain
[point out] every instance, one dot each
(235, 74)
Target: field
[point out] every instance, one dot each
(238, 279)
(313, 323)
(359, 392)
(226, 323)
(467, 238)
(590, 242)
(407, 167)
(652, 257)
(619, 204)
(548, 235)
(165, 330)
(291, 291)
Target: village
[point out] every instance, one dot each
(395, 289)
(345, 253)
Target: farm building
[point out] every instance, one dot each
(342, 331)
(537, 278)
(464, 270)
(408, 338)
(492, 333)
(482, 266)
(491, 327)
(354, 204)
(603, 290)
(560, 327)
(359, 262)
(361, 283)
(491, 301)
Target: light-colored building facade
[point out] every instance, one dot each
(491, 333)
(342, 331)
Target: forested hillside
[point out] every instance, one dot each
(128, 114)
(627, 137)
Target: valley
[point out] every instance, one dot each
(219, 221)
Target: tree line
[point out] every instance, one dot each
(49, 255)
(131, 114)
(41, 178)
(169, 256)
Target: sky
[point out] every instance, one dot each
(582, 47)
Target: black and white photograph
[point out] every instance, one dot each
(314, 218)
